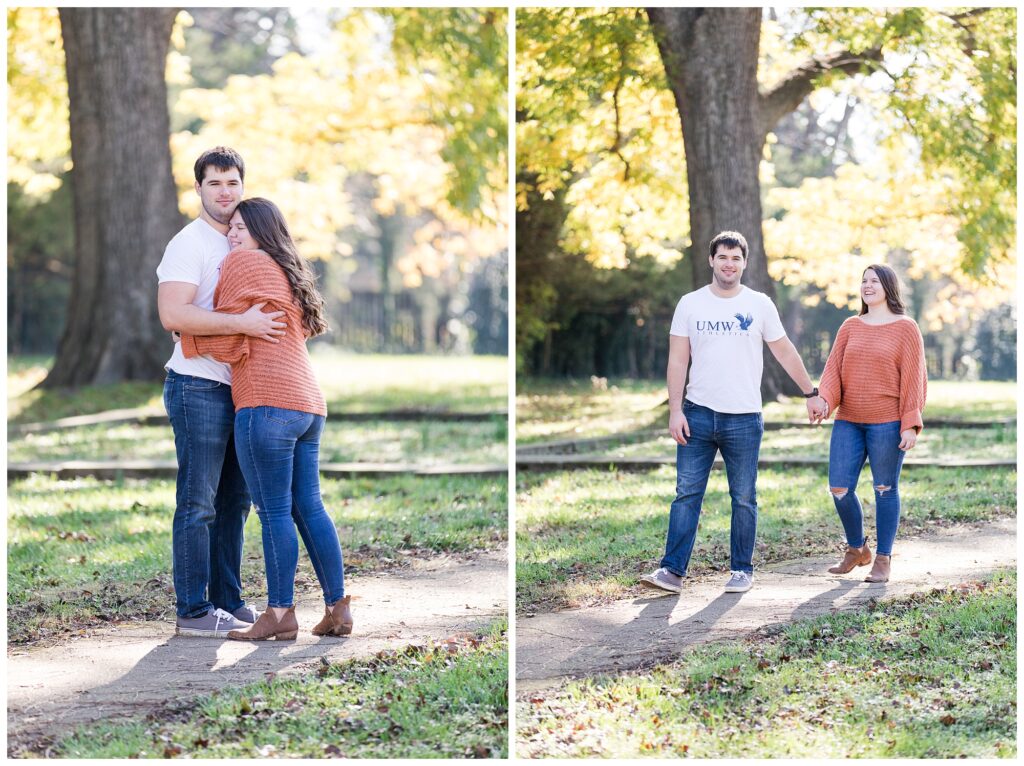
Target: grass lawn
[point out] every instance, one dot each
(560, 409)
(928, 676)
(85, 551)
(585, 536)
(435, 701)
(428, 442)
(998, 442)
(351, 383)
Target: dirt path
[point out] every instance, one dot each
(133, 669)
(627, 634)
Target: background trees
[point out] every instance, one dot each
(902, 97)
(381, 134)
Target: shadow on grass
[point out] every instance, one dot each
(43, 405)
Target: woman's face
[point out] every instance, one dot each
(238, 236)
(871, 290)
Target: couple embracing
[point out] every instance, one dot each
(874, 382)
(246, 411)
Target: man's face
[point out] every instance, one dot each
(727, 264)
(220, 192)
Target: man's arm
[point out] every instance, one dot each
(678, 361)
(786, 354)
(178, 313)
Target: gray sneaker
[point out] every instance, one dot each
(739, 582)
(247, 614)
(663, 580)
(214, 624)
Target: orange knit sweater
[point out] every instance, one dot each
(263, 374)
(877, 373)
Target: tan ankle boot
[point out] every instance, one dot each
(855, 557)
(269, 626)
(337, 620)
(880, 569)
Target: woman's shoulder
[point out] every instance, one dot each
(249, 257)
(905, 325)
(251, 262)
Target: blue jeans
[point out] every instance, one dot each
(279, 451)
(738, 436)
(211, 501)
(851, 444)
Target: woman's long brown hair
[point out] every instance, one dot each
(891, 285)
(267, 226)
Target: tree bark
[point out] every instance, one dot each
(125, 200)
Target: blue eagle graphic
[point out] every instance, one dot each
(745, 322)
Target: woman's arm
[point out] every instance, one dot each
(913, 381)
(831, 386)
(237, 290)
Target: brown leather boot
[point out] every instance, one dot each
(855, 557)
(880, 569)
(337, 620)
(268, 626)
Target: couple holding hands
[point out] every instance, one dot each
(874, 382)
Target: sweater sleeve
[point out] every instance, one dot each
(831, 385)
(243, 282)
(913, 381)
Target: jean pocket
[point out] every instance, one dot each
(281, 416)
(202, 384)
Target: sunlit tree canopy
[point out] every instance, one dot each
(38, 141)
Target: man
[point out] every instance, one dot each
(212, 500)
(721, 327)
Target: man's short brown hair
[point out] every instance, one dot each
(222, 158)
(729, 239)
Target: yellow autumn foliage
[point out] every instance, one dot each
(886, 212)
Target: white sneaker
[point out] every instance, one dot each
(214, 624)
(663, 579)
(739, 582)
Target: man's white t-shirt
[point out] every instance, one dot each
(194, 256)
(726, 337)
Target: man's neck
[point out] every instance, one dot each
(720, 293)
(220, 227)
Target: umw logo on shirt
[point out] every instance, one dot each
(746, 321)
(723, 327)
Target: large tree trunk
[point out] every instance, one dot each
(124, 194)
(710, 57)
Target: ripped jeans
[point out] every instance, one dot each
(851, 444)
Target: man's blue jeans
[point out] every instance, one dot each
(738, 436)
(212, 501)
(851, 444)
(279, 451)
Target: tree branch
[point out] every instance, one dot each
(798, 84)
(973, 13)
(619, 82)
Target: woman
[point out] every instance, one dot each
(875, 379)
(279, 415)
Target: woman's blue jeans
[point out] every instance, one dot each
(879, 443)
(279, 451)
(738, 436)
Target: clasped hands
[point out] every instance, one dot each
(817, 409)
